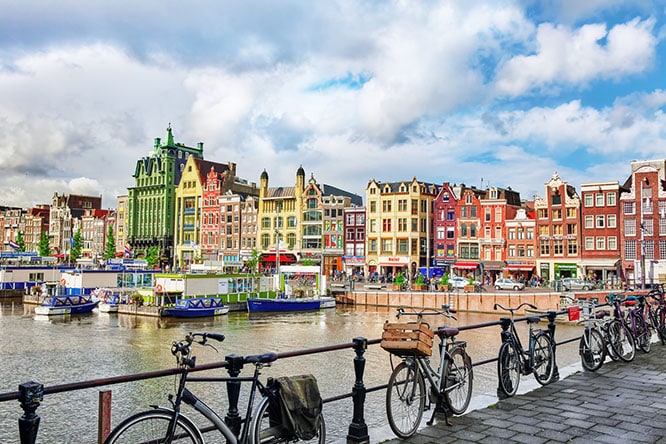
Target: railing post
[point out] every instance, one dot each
(233, 418)
(358, 429)
(103, 415)
(505, 323)
(551, 333)
(31, 395)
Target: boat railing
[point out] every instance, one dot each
(31, 394)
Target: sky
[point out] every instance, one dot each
(486, 93)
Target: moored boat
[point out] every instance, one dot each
(196, 308)
(267, 305)
(66, 304)
(327, 302)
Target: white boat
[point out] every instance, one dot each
(327, 301)
(66, 304)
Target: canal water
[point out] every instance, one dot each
(66, 349)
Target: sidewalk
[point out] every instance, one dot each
(620, 403)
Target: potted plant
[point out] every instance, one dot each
(445, 283)
(470, 284)
(398, 282)
(419, 285)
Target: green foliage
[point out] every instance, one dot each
(253, 262)
(420, 280)
(43, 247)
(20, 241)
(470, 280)
(445, 281)
(152, 256)
(76, 251)
(399, 279)
(110, 247)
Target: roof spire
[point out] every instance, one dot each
(169, 141)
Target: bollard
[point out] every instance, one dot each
(31, 395)
(505, 323)
(233, 419)
(103, 415)
(358, 429)
(551, 333)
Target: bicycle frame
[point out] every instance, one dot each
(510, 334)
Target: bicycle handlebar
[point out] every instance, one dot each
(511, 310)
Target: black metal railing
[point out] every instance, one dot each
(30, 394)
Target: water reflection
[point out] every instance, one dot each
(74, 348)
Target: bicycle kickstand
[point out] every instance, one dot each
(446, 416)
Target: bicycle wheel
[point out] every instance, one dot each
(405, 399)
(661, 324)
(592, 350)
(621, 341)
(654, 316)
(543, 358)
(152, 426)
(607, 343)
(458, 381)
(508, 369)
(266, 429)
(643, 336)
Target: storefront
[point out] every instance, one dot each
(519, 270)
(565, 270)
(392, 265)
(465, 268)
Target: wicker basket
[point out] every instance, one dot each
(407, 339)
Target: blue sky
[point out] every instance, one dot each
(500, 93)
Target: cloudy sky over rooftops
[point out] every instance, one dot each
(500, 93)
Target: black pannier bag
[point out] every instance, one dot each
(300, 404)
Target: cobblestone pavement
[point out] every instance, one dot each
(620, 403)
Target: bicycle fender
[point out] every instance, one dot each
(181, 417)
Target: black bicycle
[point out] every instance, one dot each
(514, 360)
(262, 424)
(656, 311)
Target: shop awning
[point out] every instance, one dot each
(466, 265)
(283, 258)
(519, 267)
(493, 265)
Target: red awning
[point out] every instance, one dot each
(466, 265)
(519, 267)
(283, 258)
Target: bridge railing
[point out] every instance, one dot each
(30, 394)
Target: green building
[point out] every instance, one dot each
(151, 199)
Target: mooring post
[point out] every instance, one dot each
(31, 395)
(103, 415)
(233, 419)
(505, 323)
(358, 429)
(551, 333)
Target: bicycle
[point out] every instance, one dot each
(592, 346)
(656, 311)
(635, 321)
(514, 360)
(450, 386)
(262, 424)
(621, 340)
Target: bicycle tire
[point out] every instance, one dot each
(405, 399)
(265, 430)
(661, 324)
(508, 369)
(592, 350)
(643, 334)
(543, 358)
(610, 352)
(654, 316)
(622, 342)
(152, 426)
(458, 374)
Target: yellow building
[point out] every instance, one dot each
(398, 226)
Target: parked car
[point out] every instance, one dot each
(508, 284)
(569, 284)
(460, 282)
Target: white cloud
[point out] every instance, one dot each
(576, 56)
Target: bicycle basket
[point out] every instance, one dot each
(407, 339)
(300, 405)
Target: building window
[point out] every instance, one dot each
(387, 246)
(372, 245)
(451, 215)
(556, 199)
(529, 234)
(486, 214)
(544, 230)
(589, 243)
(373, 225)
(611, 199)
(612, 220)
(512, 233)
(463, 230)
(558, 248)
(450, 233)
(662, 228)
(612, 243)
(630, 249)
(402, 246)
(386, 225)
(648, 226)
(544, 248)
(402, 205)
(649, 249)
(265, 222)
(662, 249)
(630, 227)
(373, 206)
(498, 214)
(629, 208)
(588, 200)
(600, 221)
(440, 233)
(402, 225)
(573, 248)
(601, 243)
(386, 206)
(512, 251)
(571, 213)
(557, 214)
(530, 251)
(599, 198)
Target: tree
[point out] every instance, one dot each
(77, 246)
(152, 256)
(20, 242)
(252, 263)
(110, 248)
(44, 248)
